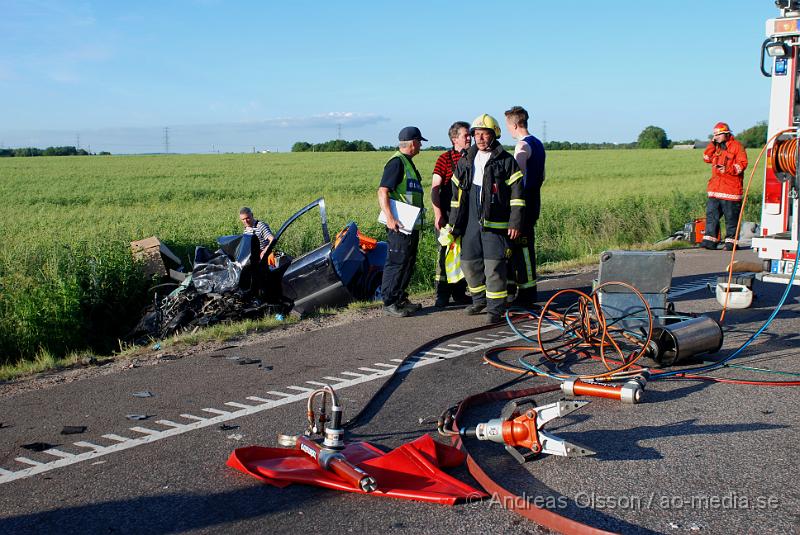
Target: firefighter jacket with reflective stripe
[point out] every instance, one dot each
(502, 197)
(728, 161)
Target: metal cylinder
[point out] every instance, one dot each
(681, 341)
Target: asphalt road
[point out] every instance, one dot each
(695, 456)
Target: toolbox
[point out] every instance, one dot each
(649, 272)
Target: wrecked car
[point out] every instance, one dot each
(232, 283)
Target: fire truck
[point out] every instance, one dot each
(780, 60)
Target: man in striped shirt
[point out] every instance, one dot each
(441, 195)
(258, 228)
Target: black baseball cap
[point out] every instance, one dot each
(410, 133)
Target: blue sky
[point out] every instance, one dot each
(230, 76)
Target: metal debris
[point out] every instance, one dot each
(137, 416)
(227, 427)
(143, 394)
(73, 429)
(38, 446)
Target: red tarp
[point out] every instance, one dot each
(410, 472)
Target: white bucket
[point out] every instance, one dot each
(739, 295)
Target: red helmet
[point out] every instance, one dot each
(721, 128)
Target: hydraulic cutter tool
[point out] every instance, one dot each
(519, 429)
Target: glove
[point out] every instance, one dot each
(706, 158)
(737, 169)
(446, 236)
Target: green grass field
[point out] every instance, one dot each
(67, 280)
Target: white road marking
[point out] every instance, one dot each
(151, 435)
(301, 388)
(691, 287)
(372, 370)
(237, 405)
(382, 365)
(58, 453)
(457, 346)
(31, 462)
(282, 394)
(169, 423)
(145, 430)
(215, 411)
(89, 445)
(315, 383)
(256, 398)
(118, 438)
(351, 374)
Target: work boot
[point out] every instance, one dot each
(708, 244)
(526, 298)
(442, 296)
(395, 310)
(728, 246)
(408, 305)
(491, 319)
(475, 308)
(460, 293)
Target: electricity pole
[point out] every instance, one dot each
(544, 131)
(339, 131)
(77, 141)
(166, 139)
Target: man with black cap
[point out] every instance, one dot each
(401, 182)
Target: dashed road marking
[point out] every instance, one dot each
(198, 422)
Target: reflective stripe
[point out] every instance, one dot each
(516, 176)
(495, 224)
(527, 285)
(517, 202)
(730, 240)
(455, 180)
(497, 295)
(528, 268)
(711, 238)
(477, 289)
(724, 196)
(454, 204)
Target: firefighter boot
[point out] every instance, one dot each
(442, 294)
(460, 294)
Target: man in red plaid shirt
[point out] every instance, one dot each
(441, 195)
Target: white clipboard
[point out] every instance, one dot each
(407, 214)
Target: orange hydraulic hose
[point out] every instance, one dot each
(788, 164)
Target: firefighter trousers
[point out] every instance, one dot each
(715, 208)
(523, 263)
(484, 261)
(399, 265)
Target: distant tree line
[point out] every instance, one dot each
(652, 137)
(334, 145)
(49, 151)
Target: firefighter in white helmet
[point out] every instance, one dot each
(487, 212)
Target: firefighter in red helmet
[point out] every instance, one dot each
(728, 161)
